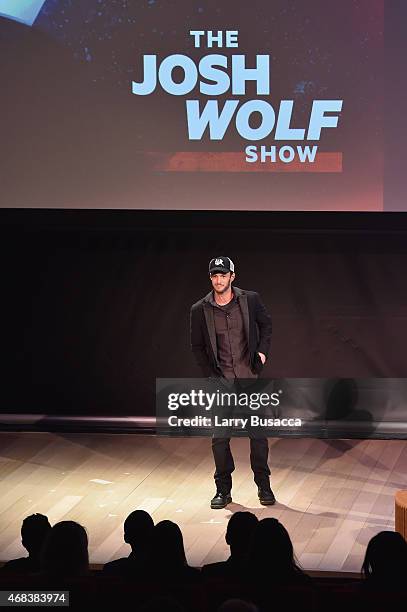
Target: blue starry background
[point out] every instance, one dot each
(318, 49)
(304, 38)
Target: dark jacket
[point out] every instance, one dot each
(257, 325)
(233, 569)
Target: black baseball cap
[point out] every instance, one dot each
(221, 264)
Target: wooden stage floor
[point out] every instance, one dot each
(333, 495)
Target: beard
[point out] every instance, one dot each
(223, 289)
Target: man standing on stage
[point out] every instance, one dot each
(230, 338)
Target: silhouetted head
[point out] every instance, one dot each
(386, 558)
(138, 528)
(239, 531)
(237, 605)
(66, 550)
(271, 548)
(169, 545)
(34, 530)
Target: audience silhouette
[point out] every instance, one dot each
(138, 531)
(385, 564)
(170, 562)
(238, 605)
(65, 552)
(271, 556)
(34, 531)
(239, 532)
(260, 569)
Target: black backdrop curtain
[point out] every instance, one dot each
(95, 304)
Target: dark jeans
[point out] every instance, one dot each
(259, 450)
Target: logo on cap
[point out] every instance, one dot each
(221, 264)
